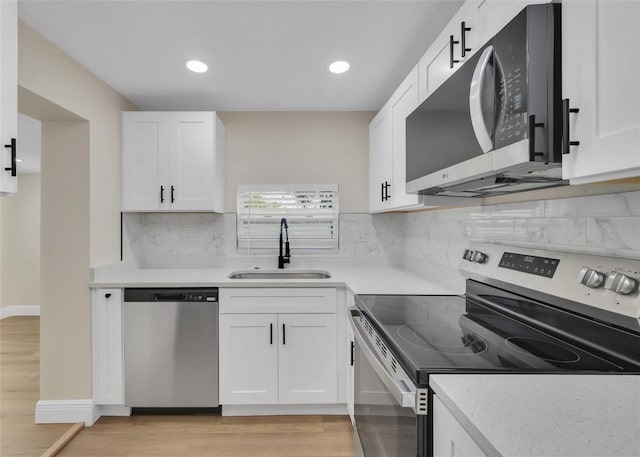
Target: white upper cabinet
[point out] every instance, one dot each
(474, 24)
(172, 161)
(380, 140)
(601, 79)
(387, 150)
(455, 44)
(402, 103)
(8, 96)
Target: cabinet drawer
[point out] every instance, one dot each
(277, 300)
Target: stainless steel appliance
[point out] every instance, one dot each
(494, 126)
(171, 347)
(525, 311)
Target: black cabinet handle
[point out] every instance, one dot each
(161, 194)
(107, 296)
(566, 139)
(352, 354)
(284, 335)
(452, 43)
(381, 191)
(172, 191)
(13, 168)
(270, 333)
(386, 190)
(463, 37)
(533, 125)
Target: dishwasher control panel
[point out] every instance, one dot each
(171, 294)
(202, 297)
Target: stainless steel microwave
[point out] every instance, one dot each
(495, 126)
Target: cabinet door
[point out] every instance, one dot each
(248, 359)
(307, 358)
(435, 66)
(450, 439)
(108, 362)
(8, 93)
(403, 102)
(380, 162)
(145, 179)
(191, 161)
(601, 74)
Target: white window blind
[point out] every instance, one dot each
(311, 211)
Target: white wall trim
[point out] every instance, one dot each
(16, 310)
(286, 410)
(66, 411)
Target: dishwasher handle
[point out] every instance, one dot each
(170, 296)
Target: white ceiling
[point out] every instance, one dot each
(262, 55)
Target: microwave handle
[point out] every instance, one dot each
(475, 101)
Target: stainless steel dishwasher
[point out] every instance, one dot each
(171, 347)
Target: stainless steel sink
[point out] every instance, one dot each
(280, 274)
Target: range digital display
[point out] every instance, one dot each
(541, 266)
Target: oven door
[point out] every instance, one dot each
(384, 406)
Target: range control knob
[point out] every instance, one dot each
(479, 257)
(590, 278)
(620, 283)
(468, 254)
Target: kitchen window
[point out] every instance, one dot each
(311, 211)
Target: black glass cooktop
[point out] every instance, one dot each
(439, 334)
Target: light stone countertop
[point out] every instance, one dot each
(546, 415)
(359, 279)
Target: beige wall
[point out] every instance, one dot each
(65, 313)
(50, 73)
(80, 205)
(20, 241)
(300, 147)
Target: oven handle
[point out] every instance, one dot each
(399, 389)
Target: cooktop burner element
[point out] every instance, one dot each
(441, 339)
(545, 350)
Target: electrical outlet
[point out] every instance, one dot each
(358, 233)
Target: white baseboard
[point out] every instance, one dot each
(284, 410)
(16, 310)
(66, 411)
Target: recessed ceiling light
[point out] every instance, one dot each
(197, 66)
(339, 66)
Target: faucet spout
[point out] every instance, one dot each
(284, 254)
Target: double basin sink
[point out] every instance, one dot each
(280, 274)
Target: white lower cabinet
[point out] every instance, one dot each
(277, 357)
(108, 359)
(248, 359)
(450, 439)
(307, 362)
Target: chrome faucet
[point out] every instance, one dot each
(286, 258)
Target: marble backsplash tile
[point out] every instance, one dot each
(214, 235)
(603, 224)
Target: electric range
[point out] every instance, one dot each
(524, 311)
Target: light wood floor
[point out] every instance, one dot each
(20, 388)
(158, 436)
(214, 436)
